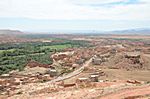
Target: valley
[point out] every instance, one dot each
(94, 66)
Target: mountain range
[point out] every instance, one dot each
(119, 32)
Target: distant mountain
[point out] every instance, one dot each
(10, 32)
(13, 36)
(131, 32)
(91, 32)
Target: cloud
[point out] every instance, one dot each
(94, 1)
(75, 9)
(106, 3)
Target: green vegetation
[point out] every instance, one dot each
(16, 56)
(58, 47)
(128, 39)
(10, 50)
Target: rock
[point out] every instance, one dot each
(94, 78)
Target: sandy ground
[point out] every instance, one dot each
(141, 75)
(135, 92)
(101, 91)
(114, 90)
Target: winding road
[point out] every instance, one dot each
(74, 73)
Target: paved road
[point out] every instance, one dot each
(74, 73)
(39, 86)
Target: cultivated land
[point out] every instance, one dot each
(75, 67)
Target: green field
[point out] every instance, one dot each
(16, 56)
(9, 50)
(57, 47)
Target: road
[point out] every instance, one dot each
(31, 88)
(74, 73)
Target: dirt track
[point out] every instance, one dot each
(74, 73)
(30, 88)
(96, 93)
(128, 93)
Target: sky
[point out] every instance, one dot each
(58, 15)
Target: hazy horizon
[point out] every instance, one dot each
(59, 15)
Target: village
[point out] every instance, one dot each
(80, 68)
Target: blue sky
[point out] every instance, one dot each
(54, 15)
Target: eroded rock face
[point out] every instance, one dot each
(32, 64)
(97, 61)
(134, 58)
(52, 72)
(80, 61)
(132, 55)
(62, 55)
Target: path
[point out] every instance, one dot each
(134, 92)
(74, 73)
